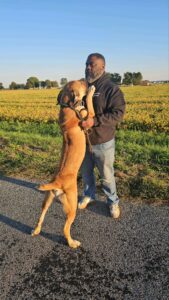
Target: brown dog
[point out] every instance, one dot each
(64, 184)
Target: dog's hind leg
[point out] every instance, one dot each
(69, 201)
(46, 204)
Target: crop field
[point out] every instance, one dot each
(30, 140)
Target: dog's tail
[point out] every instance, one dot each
(49, 186)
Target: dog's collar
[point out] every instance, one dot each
(73, 107)
(78, 114)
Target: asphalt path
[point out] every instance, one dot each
(118, 259)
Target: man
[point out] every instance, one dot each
(109, 106)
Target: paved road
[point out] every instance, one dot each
(124, 259)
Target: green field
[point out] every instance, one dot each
(30, 140)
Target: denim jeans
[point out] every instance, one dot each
(102, 156)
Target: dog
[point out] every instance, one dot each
(64, 183)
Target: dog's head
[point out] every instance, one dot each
(73, 92)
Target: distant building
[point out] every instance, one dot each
(145, 82)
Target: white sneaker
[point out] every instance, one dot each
(83, 203)
(114, 211)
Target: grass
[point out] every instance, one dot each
(41, 128)
(141, 158)
(28, 154)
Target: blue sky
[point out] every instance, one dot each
(52, 39)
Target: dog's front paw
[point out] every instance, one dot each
(91, 90)
(74, 244)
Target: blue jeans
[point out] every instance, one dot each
(102, 156)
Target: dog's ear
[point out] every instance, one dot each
(59, 97)
(83, 81)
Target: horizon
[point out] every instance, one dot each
(52, 40)
(59, 84)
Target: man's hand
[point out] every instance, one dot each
(88, 123)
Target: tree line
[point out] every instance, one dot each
(129, 78)
(32, 82)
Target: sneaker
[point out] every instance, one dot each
(114, 211)
(83, 203)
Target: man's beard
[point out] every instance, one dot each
(91, 77)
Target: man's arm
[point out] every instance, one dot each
(115, 108)
(114, 112)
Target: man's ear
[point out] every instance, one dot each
(103, 66)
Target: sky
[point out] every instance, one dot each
(52, 39)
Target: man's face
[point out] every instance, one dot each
(94, 68)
